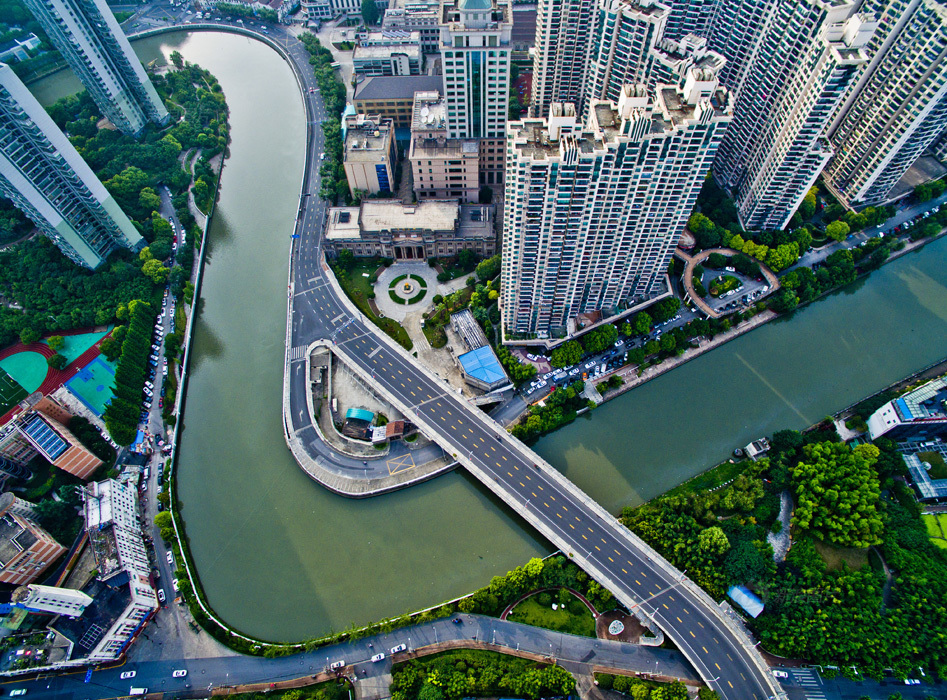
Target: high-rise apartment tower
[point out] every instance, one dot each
(95, 47)
(46, 178)
(900, 106)
(592, 214)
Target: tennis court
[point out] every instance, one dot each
(28, 369)
(93, 384)
(11, 393)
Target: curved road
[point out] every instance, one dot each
(618, 559)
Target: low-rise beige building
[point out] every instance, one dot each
(441, 167)
(393, 97)
(392, 229)
(370, 153)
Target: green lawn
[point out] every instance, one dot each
(930, 522)
(530, 612)
(834, 557)
(711, 478)
(938, 467)
(358, 287)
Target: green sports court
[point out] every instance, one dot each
(93, 384)
(11, 393)
(28, 369)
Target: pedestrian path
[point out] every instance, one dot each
(810, 682)
(297, 353)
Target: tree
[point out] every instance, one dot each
(807, 207)
(165, 525)
(345, 260)
(713, 541)
(566, 354)
(837, 492)
(56, 342)
(370, 12)
(642, 323)
(57, 361)
(668, 343)
(599, 339)
(29, 335)
(488, 269)
(466, 259)
(837, 230)
(155, 271)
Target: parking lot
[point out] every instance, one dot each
(748, 291)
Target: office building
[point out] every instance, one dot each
(441, 167)
(95, 47)
(26, 550)
(623, 39)
(55, 443)
(428, 229)
(792, 31)
(47, 179)
(369, 154)
(592, 214)
(475, 58)
(393, 98)
(900, 106)
(790, 151)
(112, 521)
(560, 61)
(415, 16)
(51, 600)
(388, 53)
(918, 416)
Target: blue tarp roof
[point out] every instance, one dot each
(360, 414)
(483, 364)
(746, 599)
(905, 411)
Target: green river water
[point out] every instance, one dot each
(284, 559)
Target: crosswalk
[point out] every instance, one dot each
(810, 682)
(297, 353)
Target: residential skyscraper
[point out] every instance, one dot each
(45, 177)
(624, 35)
(475, 57)
(563, 28)
(900, 106)
(95, 47)
(768, 116)
(790, 151)
(592, 214)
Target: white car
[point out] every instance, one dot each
(400, 647)
(128, 674)
(337, 665)
(180, 673)
(780, 674)
(17, 692)
(170, 557)
(162, 598)
(378, 657)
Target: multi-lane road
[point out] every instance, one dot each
(575, 523)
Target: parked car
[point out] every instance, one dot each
(400, 647)
(335, 666)
(780, 674)
(378, 657)
(162, 598)
(180, 673)
(126, 675)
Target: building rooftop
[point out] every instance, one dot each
(367, 138)
(468, 329)
(14, 539)
(430, 111)
(383, 51)
(432, 215)
(443, 148)
(110, 599)
(926, 487)
(482, 364)
(925, 402)
(397, 87)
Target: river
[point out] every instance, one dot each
(283, 559)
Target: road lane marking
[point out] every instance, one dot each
(585, 538)
(705, 650)
(522, 484)
(665, 605)
(680, 620)
(692, 634)
(638, 582)
(701, 626)
(572, 526)
(611, 560)
(718, 666)
(624, 571)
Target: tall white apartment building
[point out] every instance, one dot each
(475, 58)
(782, 164)
(624, 35)
(593, 214)
(51, 599)
(560, 61)
(900, 106)
(47, 179)
(111, 518)
(95, 47)
(789, 33)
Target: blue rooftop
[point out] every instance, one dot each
(483, 364)
(46, 439)
(360, 414)
(746, 599)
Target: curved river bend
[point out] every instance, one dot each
(281, 558)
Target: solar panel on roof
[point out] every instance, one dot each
(45, 438)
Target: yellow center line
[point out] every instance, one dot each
(598, 548)
(534, 494)
(522, 484)
(516, 468)
(547, 505)
(542, 489)
(558, 516)
(730, 684)
(680, 620)
(638, 582)
(572, 526)
(611, 560)
(701, 626)
(692, 634)
(624, 571)
(718, 666)
(493, 448)
(665, 606)
(705, 650)
(584, 537)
